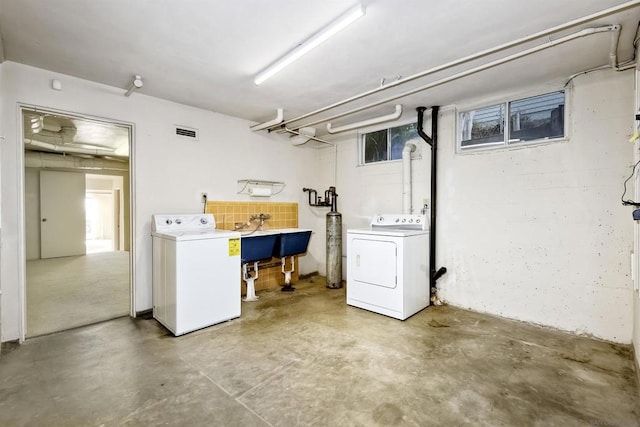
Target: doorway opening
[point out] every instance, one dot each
(104, 214)
(77, 220)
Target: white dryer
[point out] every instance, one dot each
(196, 272)
(388, 265)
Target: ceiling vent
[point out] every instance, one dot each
(187, 133)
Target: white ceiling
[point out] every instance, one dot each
(205, 53)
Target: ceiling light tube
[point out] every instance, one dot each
(335, 26)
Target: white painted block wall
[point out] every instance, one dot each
(536, 234)
(170, 173)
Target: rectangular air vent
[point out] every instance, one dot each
(187, 133)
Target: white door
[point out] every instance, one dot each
(62, 214)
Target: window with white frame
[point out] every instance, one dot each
(386, 144)
(529, 120)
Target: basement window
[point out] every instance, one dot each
(533, 119)
(386, 144)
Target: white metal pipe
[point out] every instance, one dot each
(478, 55)
(68, 149)
(613, 50)
(295, 132)
(407, 193)
(276, 121)
(374, 121)
(474, 70)
(34, 159)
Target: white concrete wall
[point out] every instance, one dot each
(1, 157)
(536, 234)
(636, 233)
(169, 173)
(539, 234)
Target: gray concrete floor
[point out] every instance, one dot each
(306, 358)
(67, 292)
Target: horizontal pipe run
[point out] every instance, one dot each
(374, 121)
(274, 122)
(295, 132)
(481, 54)
(471, 71)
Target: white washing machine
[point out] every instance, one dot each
(388, 265)
(196, 272)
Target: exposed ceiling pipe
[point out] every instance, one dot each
(309, 137)
(613, 51)
(65, 135)
(303, 137)
(374, 121)
(68, 149)
(34, 159)
(271, 123)
(471, 71)
(478, 55)
(613, 57)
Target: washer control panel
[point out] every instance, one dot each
(186, 222)
(400, 221)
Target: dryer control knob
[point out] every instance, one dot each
(178, 221)
(380, 219)
(203, 220)
(169, 222)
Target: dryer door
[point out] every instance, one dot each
(374, 262)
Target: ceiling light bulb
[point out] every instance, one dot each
(338, 24)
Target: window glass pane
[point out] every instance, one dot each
(537, 117)
(399, 135)
(482, 126)
(375, 146)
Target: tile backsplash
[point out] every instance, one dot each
(282, 215)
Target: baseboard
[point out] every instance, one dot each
(306, 276)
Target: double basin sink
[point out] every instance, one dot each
(279, 243)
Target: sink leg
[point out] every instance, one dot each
(287, 275)
(251, 289)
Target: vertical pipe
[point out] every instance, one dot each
(407, 193)
(434, 199)
(334, 250)
(433, 142)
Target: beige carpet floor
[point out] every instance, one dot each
(67, 292)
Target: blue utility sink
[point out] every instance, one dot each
(291, 241)
(257, 246)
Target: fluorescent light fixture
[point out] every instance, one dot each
(338, 24)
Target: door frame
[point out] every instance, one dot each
(22, 260)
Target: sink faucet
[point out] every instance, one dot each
(262, 218)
